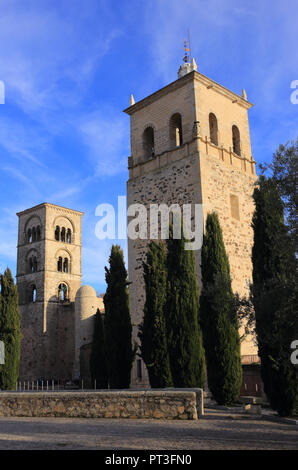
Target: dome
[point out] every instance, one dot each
(86, 291)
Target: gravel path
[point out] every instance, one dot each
(217, 430)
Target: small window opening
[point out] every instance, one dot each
(176, 137)
(148, 143)
(33, 264)
(236, 140)
(68, 236)
(33, 294)
(62, 292)
(57, 233)
(213, 128)
(65, 265)
(59, 264)
(63, 234)
(29, 235)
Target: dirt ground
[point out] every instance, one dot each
(217, 430)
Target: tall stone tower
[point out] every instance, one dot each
(48, 278)
(190, 144)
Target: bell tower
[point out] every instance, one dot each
(190, 144)
(48, 278)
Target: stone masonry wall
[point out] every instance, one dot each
(198, 172)
(222, 178)
(114, 404)
(174, 181)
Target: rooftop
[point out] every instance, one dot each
(47, 204)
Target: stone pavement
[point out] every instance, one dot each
(217, 430)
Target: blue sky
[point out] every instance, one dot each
(69, 68)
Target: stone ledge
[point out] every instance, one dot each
(150, 404)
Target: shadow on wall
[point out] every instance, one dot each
(85, 374)
(59, 339)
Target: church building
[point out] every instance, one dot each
(190, 144)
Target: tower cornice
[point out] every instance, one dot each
(192, 76)
(54, 206)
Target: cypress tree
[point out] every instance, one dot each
(118, 328)
(98, 363)
(275, 298)
(219, 317)
(185, 342)
(10, 334)
(152, 333)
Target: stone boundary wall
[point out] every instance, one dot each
(104, 404)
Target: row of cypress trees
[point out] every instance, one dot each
(177, 320)
(176, 317)
(10, 331)
(112, 353)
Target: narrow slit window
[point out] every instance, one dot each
(59, 264)
(68, 236)
(33, 294)
(176, 137)
(148, 143)
(65, 265)
(236, 140)
(57, 233)
(213, 128)
(29, 235)
(62, 292)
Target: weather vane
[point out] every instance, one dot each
(187, 49)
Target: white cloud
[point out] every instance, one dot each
(8, 239)
(107, 137)
(45, 62)
(22, 141)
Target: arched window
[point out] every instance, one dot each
(62, 292)
(59, 264)
(68, 236)
(32, 264)
(236, 140)
(38, 233)
(213, 128)
(57, 233)
(176, 138)
(65, 265)
(63, 234)
(148, 143)
(34, 234)
(33, 295)
(29, 235)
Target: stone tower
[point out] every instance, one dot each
(190, 144)
(48, 278)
